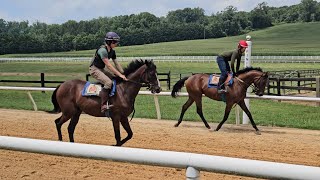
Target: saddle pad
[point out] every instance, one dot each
(214, 80)
(91, 89)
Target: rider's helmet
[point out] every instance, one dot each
(112, 37)
(242, 43)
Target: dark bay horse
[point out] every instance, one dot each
(197, 85)
(67, 99)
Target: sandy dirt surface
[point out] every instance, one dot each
(275, 144)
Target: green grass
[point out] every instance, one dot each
(285, 39)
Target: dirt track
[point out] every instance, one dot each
(275, 144)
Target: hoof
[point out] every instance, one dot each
(208, 127)
(176, 125)
(257, 133)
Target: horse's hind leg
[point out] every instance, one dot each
(226, 115)
(243, 106)
(72, 125)
(58, 126)
(200, 113)
(184, 109)
(64, 118)
(125, 124)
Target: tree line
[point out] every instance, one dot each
(146, 28)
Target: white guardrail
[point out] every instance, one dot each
(260, 59)
(194, 163)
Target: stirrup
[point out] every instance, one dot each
(106, 107)
(220, 91)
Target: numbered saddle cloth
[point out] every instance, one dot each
(92, 89)
(214, 80)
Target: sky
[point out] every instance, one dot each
(60, 11)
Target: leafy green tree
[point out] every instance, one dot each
(308, 10)
(260, 17)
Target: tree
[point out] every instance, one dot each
(259, 16)
(308, 10)
(187, 15)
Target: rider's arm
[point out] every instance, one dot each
(115, 61)
(238, 64)
(233, 58)
(111, 68)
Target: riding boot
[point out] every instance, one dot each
(221, 87)
(104, 94)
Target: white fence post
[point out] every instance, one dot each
(318, 88)
(156, 103)
(32, 101)
(192, 173)
(247, 63)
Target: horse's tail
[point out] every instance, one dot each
(55, 103)
(178, 86)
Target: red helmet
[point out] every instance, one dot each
(242, 43)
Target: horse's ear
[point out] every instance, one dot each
(266, 74)
(146, 62)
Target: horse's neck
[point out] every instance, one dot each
(248, 77)
(134, 85)
(135, 76)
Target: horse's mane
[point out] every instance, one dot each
(247, 69)
(133, 66)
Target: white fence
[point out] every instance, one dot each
(191, 161)
(257, 59)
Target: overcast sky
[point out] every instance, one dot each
(60, 11)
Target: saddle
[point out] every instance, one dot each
(214, 80)
(93, 89)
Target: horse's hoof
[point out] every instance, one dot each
(176, 125)
(208, 127)
(258, 133)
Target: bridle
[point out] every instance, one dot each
(252, 85)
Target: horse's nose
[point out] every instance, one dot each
(158, 89)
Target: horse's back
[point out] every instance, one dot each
(197, 82)
(71, 86)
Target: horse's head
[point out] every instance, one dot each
(260, 83)
(150, 77)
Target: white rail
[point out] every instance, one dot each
(193, 162)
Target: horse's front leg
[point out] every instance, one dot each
(226, 115)
(243, 106)
(125, 124)
(183, 110)
(116, 128)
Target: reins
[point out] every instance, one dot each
(254, 88)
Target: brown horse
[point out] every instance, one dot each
(67, 99)
(197, 85)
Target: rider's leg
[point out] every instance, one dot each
(104, 94)
(104, 79)
(223, 68)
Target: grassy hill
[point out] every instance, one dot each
(285, 39)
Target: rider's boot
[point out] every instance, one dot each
(104, 94)
(221, 87)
